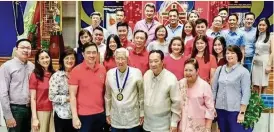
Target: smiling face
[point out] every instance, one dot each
(149, 12)
(232, 21)
(155, 63)
(193, 17)
(90, 54)
(69, 61)
(122, 32)
(190, 73)
(248, 21)
(217, 22)
(173, 17)
(121, 60)
(218, 47)
(98, 36)
(140, 40)
(223, 14)
(85, 38)
(262, 26)
(200, 45)
(44, 60)
(176, 47)
(120, 16)
(95, 20)
(188, 29)
(231, 57)
(200, 29)
(23, 51)
(112, 44)
(161, 33)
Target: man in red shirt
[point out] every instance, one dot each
(122, 31)
(138, 57)
(86, 87)
(200, 28)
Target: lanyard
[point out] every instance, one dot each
(117, 81)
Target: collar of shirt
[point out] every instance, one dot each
(233, 32)
(233, 67)
(19, 61)
(140, 53)
(85, 66)
(248, 29)
(178, 26)
(159, 77)
(121, 75)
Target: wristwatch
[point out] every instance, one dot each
(242, 112)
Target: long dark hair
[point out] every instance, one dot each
(267, 30)
(223, 42)
(195, 51)
(68, 51)
(193, 32)
(39, 70)
(109, 52)
(81, 33)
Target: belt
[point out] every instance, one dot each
(21, 105)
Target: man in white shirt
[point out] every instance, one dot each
(161, 96)
(124, 97)
(120, 17)
(95, 22)
(98, 38)
(216, 27)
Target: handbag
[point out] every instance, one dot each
(215, 119)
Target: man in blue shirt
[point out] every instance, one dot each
(234, 36)
(174, 28)
(250, 36)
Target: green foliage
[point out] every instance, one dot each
(253, 111)
(45, 45)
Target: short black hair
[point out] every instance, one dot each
(141, 31)
(223, 9)
(119, 9)
(201, 20)
(67, 51)
(158, 52)
(237, 50)
(96, 13)
(234, 14)
(151, 5)
(98, 28)
(122, 24)
(21, 40)
(88, 44)
(250, 13)
(174, 10)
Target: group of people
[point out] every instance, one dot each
(177, 77)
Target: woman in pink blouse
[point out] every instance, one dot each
(197, 100)
(207, 62)
(175, 61)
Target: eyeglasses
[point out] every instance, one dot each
(27, 48)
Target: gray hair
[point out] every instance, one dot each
(122, 50)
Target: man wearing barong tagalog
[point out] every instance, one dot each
(161, 96)
(124, 95)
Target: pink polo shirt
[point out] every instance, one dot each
(148, 28)
(139, 60)
(176, 66)
(204, 68)
(189, 46)
(91, 83)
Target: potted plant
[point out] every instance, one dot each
(254, 110)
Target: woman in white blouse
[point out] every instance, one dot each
(59, 94)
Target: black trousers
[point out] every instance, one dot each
(63, 125)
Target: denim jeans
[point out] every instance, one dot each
(247, 63)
